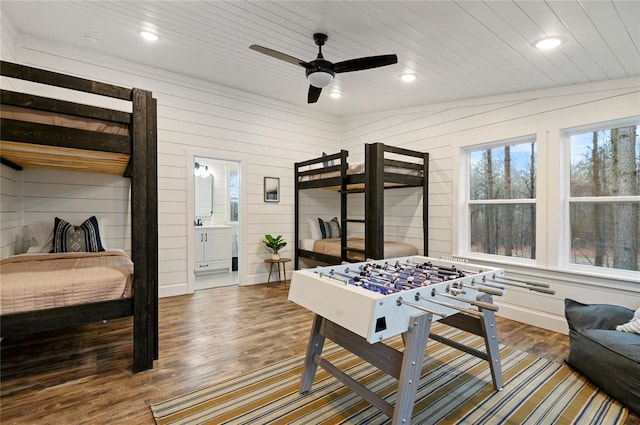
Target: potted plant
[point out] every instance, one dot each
(275, 244)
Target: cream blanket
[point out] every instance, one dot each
(38, 281)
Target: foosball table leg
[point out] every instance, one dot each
(490, 333)
(316, 342)
(415, 342)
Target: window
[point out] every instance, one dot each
(234, 190)
(604, 197)
(501, 200)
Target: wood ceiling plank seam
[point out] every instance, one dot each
(516, 20)
(458, 27)
(581, 32)
(447, 42)
(507, 52)
(572, 52)
(604, 16)
(629, 15)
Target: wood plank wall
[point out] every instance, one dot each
(443, 130)
(196, 115)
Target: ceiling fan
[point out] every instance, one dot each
(320, 72)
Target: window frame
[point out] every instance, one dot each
(566, 199)
(464, 236)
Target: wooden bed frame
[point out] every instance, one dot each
(372, 182)
(133, 156)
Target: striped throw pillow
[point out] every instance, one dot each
(83, 238)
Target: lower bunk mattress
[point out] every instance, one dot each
(331, 246)
(32, 282)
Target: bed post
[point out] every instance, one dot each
(425, 204)
(152, 218)
(296, 216)
(143, 335)
(343, 204)
(374, 201)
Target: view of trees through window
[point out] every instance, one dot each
(234, 192)
(604, 201)
(502, 196)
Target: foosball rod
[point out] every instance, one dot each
(449, 305)
(480, 304)
(527, 285)
(400, 302)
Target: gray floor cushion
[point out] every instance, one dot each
(609, 358)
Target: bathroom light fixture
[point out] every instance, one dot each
(148, 35)
(407, 77)
(548, 43)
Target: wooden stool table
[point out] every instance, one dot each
(277, 262)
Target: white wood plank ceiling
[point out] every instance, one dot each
(458, 50)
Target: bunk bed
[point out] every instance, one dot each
(384, 167)
(52, 133)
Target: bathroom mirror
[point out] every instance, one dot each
(204, 195)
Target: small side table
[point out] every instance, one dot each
(277, 262)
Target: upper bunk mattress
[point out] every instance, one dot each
(359, 168)
(39, 281)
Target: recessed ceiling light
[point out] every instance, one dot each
(148, 35)
(335, 94)
(549, 43)
(408, 77)
(91, 38)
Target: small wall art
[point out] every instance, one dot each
(271, 189)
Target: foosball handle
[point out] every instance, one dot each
(490, 291)
(485, 306)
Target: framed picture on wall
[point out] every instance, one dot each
(271, 189)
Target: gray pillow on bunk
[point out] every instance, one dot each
(83, 238)
(329, 229)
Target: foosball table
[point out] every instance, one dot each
(360, 305)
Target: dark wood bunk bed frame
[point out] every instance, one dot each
(135, 157)
(372, 182)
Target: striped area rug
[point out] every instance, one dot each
(455, 388)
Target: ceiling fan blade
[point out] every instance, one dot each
(365, 63)
(314, 94)
(278, 55)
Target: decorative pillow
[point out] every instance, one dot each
(335, 227)
(314, 229)
(633, 326)
(83, 238)
(329, 229)
(325, 228)
(326, 163)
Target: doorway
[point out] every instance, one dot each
(215, 217)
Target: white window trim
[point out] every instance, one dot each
(564, 248)
(461, 214)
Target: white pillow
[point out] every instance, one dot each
(633, 326)
(314, 228)
(40, 236)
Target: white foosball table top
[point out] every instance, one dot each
(377, 313)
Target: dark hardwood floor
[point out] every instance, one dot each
(83, 375)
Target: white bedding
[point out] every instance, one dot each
(358, 168)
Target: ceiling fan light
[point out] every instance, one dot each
(320, 79)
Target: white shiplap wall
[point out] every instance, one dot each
(442, 130)
(192, 116)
